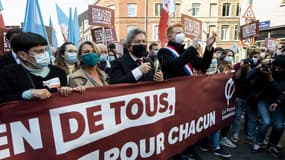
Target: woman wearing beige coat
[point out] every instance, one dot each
(89, 75)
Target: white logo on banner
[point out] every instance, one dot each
(229, 91)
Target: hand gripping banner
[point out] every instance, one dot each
(152, 120)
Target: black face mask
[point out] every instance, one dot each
(139, 50)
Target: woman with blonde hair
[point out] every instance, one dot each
(89, 74)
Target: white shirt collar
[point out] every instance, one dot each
(18, 61)
(135, 58)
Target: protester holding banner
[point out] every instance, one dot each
(131, 67)
(10, 58)
(89, 74)
(66, 57)
(34, 77)
(176, 61)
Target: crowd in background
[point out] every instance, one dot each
(29, 72)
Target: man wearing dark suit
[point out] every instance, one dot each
(10, 58)
(130, 68)
(176, 61)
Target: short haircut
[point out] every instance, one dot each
(131, 35)
(12, 32)
(218, 49)
(152, 45)
(170, 28)
(111, 46)
(24, 41)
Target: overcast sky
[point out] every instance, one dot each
(14, 11)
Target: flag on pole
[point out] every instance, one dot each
(2, 24)
(70, 36)
(33, 19)
(34, 22)
(168, 7)
(53, 35)
(76, 29)
(63, 22)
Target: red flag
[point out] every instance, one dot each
(2, 24)
(167, 7)
(163, 24)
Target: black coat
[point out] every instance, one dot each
(7, 59)
(173, 67)
(14, 80)
(121, 71)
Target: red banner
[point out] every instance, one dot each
(152, 120)
(100, 16)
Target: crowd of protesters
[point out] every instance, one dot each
(29, 72)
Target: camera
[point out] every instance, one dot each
(248, 61)
(267, 67)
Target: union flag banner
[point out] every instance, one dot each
(151, 120)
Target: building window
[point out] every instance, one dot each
(155, 33)
(130, 27)
(213, 9)
(196, 9)
(157, 9)
(212, 28)
(236, 32)
(132, 10)
(226, 9)
(225, 32)
(238, 10)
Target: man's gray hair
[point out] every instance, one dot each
(132, 33)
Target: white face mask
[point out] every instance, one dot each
(262, 54)
(278, 52)
(180, 38)
(42, 60)
(229, 59)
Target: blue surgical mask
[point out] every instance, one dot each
(214, 61)
(254, 60)
(154, 53)
(90, 59)
(71, 57)
(103, 57)
(42, 60)
(229, 59)
(111, 58)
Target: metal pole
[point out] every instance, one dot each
(146, 16)
(103, 37)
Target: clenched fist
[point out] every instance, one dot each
(158, 76)
(145, 67)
